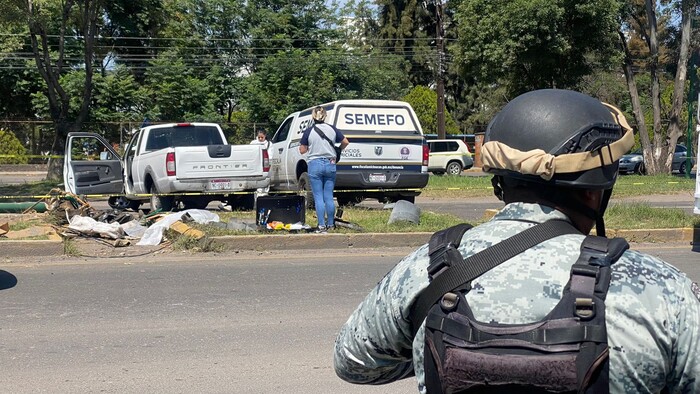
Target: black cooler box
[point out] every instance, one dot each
(286, 209)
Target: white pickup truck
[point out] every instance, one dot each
(166, 164)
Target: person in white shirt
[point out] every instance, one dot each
(261, 139)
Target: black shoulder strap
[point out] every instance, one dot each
(324, 136)
(468, 269)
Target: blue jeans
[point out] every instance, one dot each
(322, 178)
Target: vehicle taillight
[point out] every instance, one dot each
(266, 161)
(426, 154)
(170, 163)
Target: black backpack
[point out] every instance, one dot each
(566, 352)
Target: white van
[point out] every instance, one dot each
(387, 158)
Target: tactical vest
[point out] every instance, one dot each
(566, 352)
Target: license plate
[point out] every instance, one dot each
(377, 177)
(220, 184)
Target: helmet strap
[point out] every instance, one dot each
(599, 222)
(496, 182)
(566, 200)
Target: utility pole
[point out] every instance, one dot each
(439, 33)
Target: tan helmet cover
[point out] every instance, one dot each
(319, 114)
(496, 155)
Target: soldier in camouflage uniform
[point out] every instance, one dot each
(652, 309)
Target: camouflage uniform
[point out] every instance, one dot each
(652, 309)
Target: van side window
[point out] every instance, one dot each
(283, 131)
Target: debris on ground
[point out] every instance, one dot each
(184, 229)
(404, 211)
(236, 224)
(154, 234)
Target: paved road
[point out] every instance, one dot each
(176, 323)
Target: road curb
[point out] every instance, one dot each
(291, 242)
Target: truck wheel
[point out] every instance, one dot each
(122, 203)
(164, 203)
(305, 188)
(242, 202)
(196, 203)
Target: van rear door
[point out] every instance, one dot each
(386, 141)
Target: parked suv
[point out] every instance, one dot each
(449, 156)
(634, 162)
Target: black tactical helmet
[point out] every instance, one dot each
(559, 122)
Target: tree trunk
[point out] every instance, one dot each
(634, 98)
(674, 126)
(660, 148)
(51, 66)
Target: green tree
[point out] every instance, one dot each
(652, 43)
(298, 79)
(424, 103)
(531, 44)
(175, 93)
(57, 28)
(408, 29)
(12, 151)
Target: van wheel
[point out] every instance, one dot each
(164, 203)
(392, 199)
(305, 188)
(349, 200)
(454, 168)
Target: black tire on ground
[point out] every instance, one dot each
(242, 202)
(305, 188)
(681, 169)
(453, 168)
(164, 203)
(411, 199)
(196, 203)
(121, 203)
(348, 199)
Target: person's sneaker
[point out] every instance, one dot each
(321, 230)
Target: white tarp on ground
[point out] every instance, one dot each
(154, 234)
(90, 226)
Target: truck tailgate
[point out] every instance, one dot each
(214, 161)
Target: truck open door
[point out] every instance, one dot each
(91, 165)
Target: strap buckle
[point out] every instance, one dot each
(449, 301)
(438, 259)
(584, 308)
